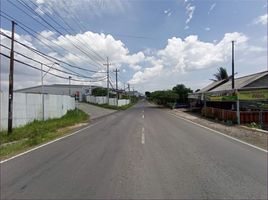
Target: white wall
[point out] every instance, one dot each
(122, 102)
(28, 107)
(103, 100)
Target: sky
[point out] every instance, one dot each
(155, 44)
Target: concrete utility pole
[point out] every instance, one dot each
(11, 73)
(42, 88)
(107, 65)
(233, 85)
(70, 85)
(116, 86)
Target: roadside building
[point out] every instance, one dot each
(61, 89)
(247, 103)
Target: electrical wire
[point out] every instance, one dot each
(48, 56)
(56, 75)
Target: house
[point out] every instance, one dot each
(247, 102)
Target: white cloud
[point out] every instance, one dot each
(168, 12)
(186, 27)
(190, 12)
(211, 7)
(101, 44)
(207, 29)
(147, 73)
(91, 7)
(181, 56)
(261, 20)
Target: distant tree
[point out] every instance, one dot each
(182, 93)
(99, 91)
(220, 75)
(147, 94)
(164, 97)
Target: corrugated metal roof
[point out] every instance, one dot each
(211, 86)
(240, 82)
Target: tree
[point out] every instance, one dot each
(147, 94)
(182, 93)
(220, 75)
(99, 92)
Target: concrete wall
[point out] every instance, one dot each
(28, 107)
(122, 102)
(103, 100)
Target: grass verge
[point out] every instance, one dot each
(37, 132)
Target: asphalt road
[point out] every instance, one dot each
(129, 156)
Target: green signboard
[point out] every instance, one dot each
(250, 95)
(253, 95)
(226, 96)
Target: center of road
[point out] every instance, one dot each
(142, 136)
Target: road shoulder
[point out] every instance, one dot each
(252, 137)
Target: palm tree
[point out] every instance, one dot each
(220, 75)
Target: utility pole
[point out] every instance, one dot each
(116, 86)
(11, 73)
(107, 65)
(42, 88)
(128, 86)
(70, 85)
(233, 85)
(43, 103)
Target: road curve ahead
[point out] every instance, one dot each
(140, 153)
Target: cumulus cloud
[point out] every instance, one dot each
(88, 50)
(189, 54)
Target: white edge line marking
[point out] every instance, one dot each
(38, 147)
(142, 116)
(142, 136)
(251, 145)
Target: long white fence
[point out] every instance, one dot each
(28, 107)
(103, 100)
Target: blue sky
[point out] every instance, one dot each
(155, 43)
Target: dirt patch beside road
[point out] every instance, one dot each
(250, 136)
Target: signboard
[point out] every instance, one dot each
(250, 95)
(226, 96)
(253, 95)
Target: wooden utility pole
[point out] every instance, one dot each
(11, 73)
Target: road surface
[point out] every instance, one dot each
(140, 153)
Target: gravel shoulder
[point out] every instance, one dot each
(254, 137)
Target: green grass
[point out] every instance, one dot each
(38, 132)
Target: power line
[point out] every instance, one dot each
(18, 24)
(48, 56)
(59, 32)
(59, 16)
(56, 75)
(73, 73)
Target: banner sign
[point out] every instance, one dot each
(253, 95)
(231, 96)
(226, 96)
